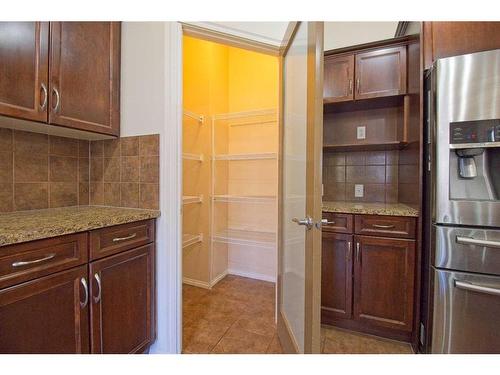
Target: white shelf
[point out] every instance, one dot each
(235, 115)
(248, 123)
(244, 199)
(195, 157)
(188, 199)
(246, 237)
(252, 156)
(191, 239)
(194, 116)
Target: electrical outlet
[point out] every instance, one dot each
(359, 190)
(361, 132)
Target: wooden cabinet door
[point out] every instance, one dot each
(85, 76)
(122, 302)
(381, 73)
(24, 69)
(338, 79)
(46, 315)
(384, 282)
(336, 276)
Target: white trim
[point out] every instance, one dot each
(218, 278)
(169, 236)
(238, 32)
(197, 283)
(251, 275)
(204, 284)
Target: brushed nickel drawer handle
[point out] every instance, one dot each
(476, 288)
(326, 222)
(27, 262)
(86, 289)
(118, 239)
(383, 226)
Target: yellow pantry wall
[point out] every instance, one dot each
(220, 79)
(205, 83)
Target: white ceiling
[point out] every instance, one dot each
(337, 34)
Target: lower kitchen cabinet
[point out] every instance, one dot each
(122, 310)
(105, 305)
(46, 315)
(384, 282)
(367, 281)
(336, 279)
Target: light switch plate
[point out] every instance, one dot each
(359, 190)
(361, 132)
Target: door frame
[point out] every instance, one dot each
(314, 153)
(314, 115)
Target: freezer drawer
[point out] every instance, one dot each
(466, 313)
(467, 249)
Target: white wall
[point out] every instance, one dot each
(344, 34)
(150, 78)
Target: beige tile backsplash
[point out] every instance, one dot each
(125, 172)
(376, 170)
(40, 171)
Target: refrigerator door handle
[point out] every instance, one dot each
(477, 288)
(473, 241)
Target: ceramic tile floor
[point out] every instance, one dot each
(237, 317)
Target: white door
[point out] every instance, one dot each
(299, 281)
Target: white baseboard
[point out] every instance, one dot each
(252, 275)
(198, 283)
(204, 284)
(218, 278)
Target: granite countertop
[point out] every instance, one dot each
(389, 209)
(26, 226)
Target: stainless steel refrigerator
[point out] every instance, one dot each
(462, 228)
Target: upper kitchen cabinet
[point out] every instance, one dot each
(85, 76)
(445, 39)
(24, 69)
(82, 91)
(338, 79)
(365, 73)
(381, 72)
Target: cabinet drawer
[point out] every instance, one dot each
(387, 226)
(27, 261)
(341, 223)
(112, 240)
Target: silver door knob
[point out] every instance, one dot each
(308, 222)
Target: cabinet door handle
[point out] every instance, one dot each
(326, 222)
(350, 86)
(58, 99)
(358, 85)
(27, 262)
(118, 239)
(383, 226)
(349, 251)
(86, 290)
(45, 97)
(358, 253)
(97, 299)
